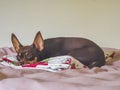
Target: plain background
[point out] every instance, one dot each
(98, 20)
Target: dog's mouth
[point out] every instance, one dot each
(22, 62)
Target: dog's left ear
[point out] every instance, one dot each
(38, 41)
(16, 44)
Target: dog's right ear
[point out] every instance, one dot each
(15, 42)
(38, 41)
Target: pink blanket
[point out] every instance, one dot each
(105, 78)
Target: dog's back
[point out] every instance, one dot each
(82, 49)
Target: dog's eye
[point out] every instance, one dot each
(18, 57)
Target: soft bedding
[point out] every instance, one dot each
(105, 78)
(52, 64)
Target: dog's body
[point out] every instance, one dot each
(82, 49)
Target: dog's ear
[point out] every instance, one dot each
(16, 44)
(38, 41)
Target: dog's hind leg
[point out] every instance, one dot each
(89, 56)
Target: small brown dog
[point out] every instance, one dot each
(84, 50)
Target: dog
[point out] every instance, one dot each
(84, 50)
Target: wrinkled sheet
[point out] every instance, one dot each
(105, 78)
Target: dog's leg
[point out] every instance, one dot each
(89, 56)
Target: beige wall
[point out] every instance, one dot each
(98, 20)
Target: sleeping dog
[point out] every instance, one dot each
(84, 50)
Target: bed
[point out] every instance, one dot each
(106, 77)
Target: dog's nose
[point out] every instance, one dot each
(22, 62)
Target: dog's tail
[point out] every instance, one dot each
(109, 57)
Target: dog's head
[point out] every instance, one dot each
(30, 53)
